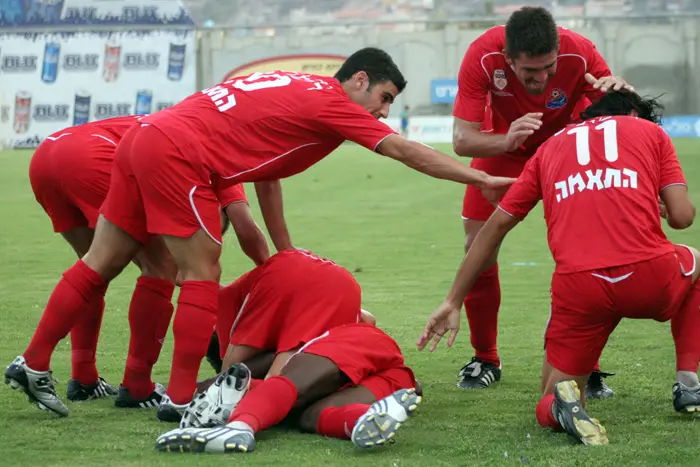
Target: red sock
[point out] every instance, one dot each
(338, 422)
(83, 341)
(597, 366)
(544, 413)
(68, 302)
(685, 327)
(267, 405)
(482, 304)
(195, 318)
(150, 311)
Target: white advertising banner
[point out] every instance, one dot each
(55, 80)
(430, 129)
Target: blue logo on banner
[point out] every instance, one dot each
(682, 126)
(443, 91)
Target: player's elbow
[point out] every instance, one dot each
(683, 218)
(460, 146)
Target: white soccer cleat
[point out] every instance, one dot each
(236, 437)
(379, 424)
(37, 385)
(213, 407)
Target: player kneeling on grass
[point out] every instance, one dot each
(600, 182)
(351, 382)
(70, 174)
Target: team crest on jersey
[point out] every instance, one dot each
(557, 99)
(499, 79)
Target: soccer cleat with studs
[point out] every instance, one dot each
(569, 412)
(37, 385)
(379, 424)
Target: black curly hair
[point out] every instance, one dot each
(623, 103)
(531, 31)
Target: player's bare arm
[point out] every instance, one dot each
(609, 83)
(469, 141)
(679, 209)
(427, 160)
(447, 316)
(270, 197)
(250, 236)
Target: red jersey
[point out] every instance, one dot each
(289, 282)
(599, 182)
(266, 126)
(484, 74)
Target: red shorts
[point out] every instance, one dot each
(70, 174)
(587, 306)
(295, 298)
(155, 191)
(367, 355)
(475, 206)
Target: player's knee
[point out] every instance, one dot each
(111, 250)
(471, 229)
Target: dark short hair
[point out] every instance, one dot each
(531, 31)
(378, 65)
(623, 103)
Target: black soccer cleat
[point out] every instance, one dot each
(96, 390)
(596, 387)
(573, 418)
(478, 374)
(125, 400)
(686, 399)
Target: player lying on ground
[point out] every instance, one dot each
(600, 182)
(70, 175)
(279, 306)
(518, 85)
(351, 382)
(292, 298)
(174, 171)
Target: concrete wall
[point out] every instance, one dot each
(656, 56)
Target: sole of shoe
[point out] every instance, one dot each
(588, 430)
(379, 429)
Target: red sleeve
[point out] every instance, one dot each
(526, 192)
(595, 65)
(472, 86)
(670, 172)
(352, 122)
(229, 193)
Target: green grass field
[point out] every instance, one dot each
(402, 235)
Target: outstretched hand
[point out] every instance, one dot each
(445, 318)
